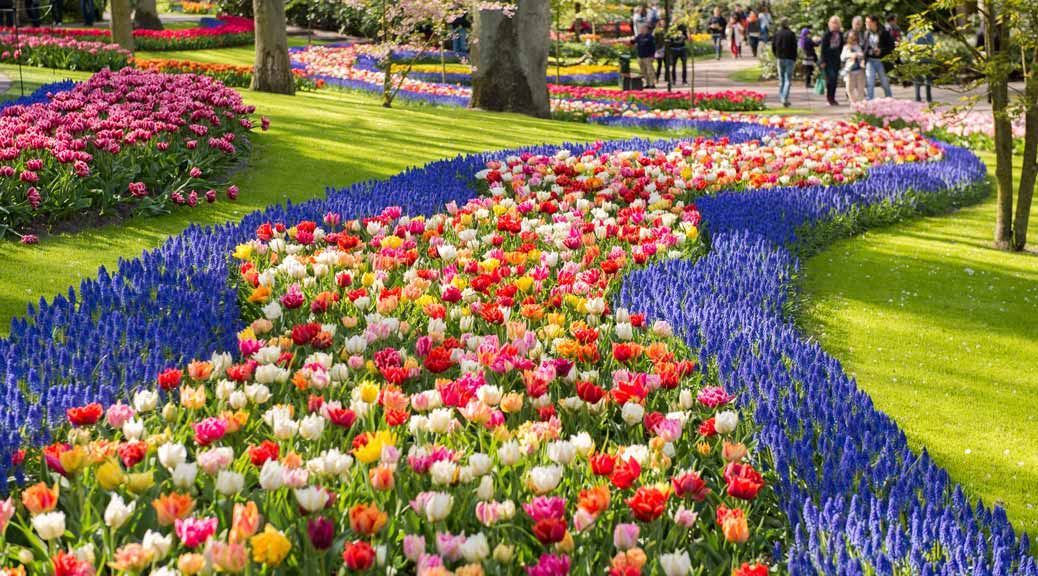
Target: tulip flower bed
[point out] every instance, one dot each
(228, 74)
(577, 75)
(230, 31)
(356, 67)
(725, 101)
(62, 52)
(387, 363)
(121, 141)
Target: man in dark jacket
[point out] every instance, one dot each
(645, 46)
(832, 48)
(784, 46)
(878, 45)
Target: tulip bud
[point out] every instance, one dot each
(169, 412)
(503, 553)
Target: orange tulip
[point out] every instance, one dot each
(733, 524)
(172, 506)
(367, 519)
(244, 522)
(40, 498)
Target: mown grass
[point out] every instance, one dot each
(328, 138)
(942, 331)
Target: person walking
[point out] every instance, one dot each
(87, 7)
(753, 32)
(716, 26)
(832, 50)
(661, 54)
(878, 45)
(784, 46)
(735, 36)
(853, 58)
(893, 28)
(459, 34)
(925, 40)
(679, 50)
(764, 17)
(645, 47)
(641, 18)
(809, 48)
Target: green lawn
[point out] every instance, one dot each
(315, 140)
(33, 78)
(747, 75)
(942, 332)
(242, 55)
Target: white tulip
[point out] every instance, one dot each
(485, 490)
(480, 463)
(726, 421)
(508, 454)
(312, 427)
(145, 400)
(439, 506)
(184, 474)
(676, 563)
(158, 544)
(118, 512)
(257, 393)
(49, 525)
(272, 475)
(475, 548)
(633, 413)
(172, 455)
(443, 472)
(311, 499)
(229, 483)
(561, 452)
(544, 479)
(133, 429)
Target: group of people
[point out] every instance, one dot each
(859, 56)
(35, 13)
(653, 45)
(741, 27)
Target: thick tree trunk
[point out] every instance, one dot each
(273, 71)
(1029, 173)
(511, 59)
(122, 26)
(146, 15)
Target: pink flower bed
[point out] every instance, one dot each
(129, 139)
(957, 122)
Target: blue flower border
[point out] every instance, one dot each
(858, 500)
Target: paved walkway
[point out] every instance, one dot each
(713, 75)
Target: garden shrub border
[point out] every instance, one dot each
(859, 501)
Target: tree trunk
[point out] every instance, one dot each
(511, 59)
(387, 79)
(122, 26)
(273, 72)
(147, 15)
(1029, 173)
(996, 43)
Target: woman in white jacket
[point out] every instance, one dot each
(853, 58)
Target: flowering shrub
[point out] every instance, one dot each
(967, 127)
(62, 52)
(132, 139)
(228, 74)
(230, 31)
(857, 499)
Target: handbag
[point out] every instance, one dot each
(820, 85)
